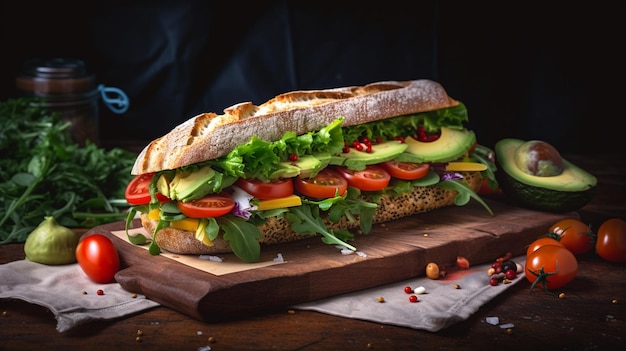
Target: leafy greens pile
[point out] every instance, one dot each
(43, 172)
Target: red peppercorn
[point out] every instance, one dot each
(413, 298)
(293, 157)
(100, 292)
(408, 290)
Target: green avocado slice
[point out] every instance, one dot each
(450, 146)
(381, 152)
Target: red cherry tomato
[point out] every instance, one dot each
(274, 189)
(543, 241)
(97, 256)
(138, 193)
(372, 178)
(405, 170)
(324, 185)
(575, 235)
(212, 205)
(551, 266)
(485, 189)
(611, 240)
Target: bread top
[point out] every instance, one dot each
(209, 135)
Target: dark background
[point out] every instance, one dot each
(534, 71)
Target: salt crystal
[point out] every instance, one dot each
(493, 320)
(210, 258)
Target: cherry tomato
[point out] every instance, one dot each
(97, 256)
(372, 178)
(137, 192)
(551, 266)
(485, 189)
(274, 189)
(323, 185)
(575, 235)
(543, 241)
(405, 170)
(611, 241)
(212, 205)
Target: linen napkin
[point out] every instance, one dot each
(68, 293)
(445, 301)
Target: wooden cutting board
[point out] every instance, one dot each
(312, 270)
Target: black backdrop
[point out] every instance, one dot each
(534, 71)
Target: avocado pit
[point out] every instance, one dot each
(538, 158)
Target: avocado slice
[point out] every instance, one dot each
(381, 152)
(186, 185)
(451, 145)
(568, 191)
(305, 166)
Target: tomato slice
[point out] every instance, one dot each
(372, 178)
(138, 193)
(212, 205)
(274, 189)
(405, 170)
(323, 185)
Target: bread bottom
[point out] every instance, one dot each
(277, 230)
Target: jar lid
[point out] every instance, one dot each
(54, 76)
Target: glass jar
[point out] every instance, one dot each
(63, 85)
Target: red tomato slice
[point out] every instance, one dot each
(212, 205)
(372, 178)
(405, 170)
(323, 185)
(137, 192)
(265, 191)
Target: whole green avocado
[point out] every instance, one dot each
(534, 175)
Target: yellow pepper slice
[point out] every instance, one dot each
(289, 201)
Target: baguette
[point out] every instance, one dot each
(209, 135)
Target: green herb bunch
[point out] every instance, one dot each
(44, 172)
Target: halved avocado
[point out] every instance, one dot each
(568, 191)
(451, 145)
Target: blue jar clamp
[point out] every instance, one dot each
(114, 98)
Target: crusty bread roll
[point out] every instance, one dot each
(208, 135)
(277, 230)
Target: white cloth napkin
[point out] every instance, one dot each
(68, 293)
(445, 301)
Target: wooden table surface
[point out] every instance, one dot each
(592, 316)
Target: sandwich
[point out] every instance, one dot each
(328, 163)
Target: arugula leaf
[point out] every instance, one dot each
(242, 236)
(43, 172)
(305, 219)
(464, 193)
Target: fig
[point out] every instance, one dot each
(538, 158)
(51, 243)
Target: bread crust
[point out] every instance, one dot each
(278, 230)
(209, 135)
